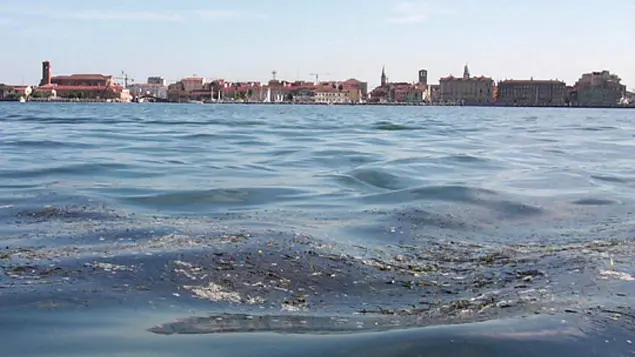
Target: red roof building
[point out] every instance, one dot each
(83, 86)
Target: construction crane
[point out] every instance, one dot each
(317, 76)
(125, 78)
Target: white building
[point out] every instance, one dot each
(330, 94)
(148, 89)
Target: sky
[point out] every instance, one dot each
(248, 39)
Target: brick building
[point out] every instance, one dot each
(531, 93)
(466, 90)
(80, 86)
(598, 89)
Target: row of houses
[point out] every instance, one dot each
(75, 86)
(595, 89)
(196, 88)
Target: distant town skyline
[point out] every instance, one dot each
(244, 41)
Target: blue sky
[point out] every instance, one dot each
(248, 39)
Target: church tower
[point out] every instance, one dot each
(466, 72)
(384, 80)
(46, 73)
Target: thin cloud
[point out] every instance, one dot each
(216, 14)
(213, 15)
(6, 22)
(121, 16)
(414, 12)
(149, 16)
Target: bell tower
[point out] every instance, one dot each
(423, 77)
(384, 80)
(46, 73)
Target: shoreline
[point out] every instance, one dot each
(400, 104)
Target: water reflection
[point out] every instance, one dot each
(123, 333)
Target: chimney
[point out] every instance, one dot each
(46, 73)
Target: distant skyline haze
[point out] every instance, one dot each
(247, 40)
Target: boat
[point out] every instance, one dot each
(195, 102)
(22, 100)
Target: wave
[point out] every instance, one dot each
(457, 194)
(615, 179)
(465, 158)
(45, 144)
(377, 178)
(117, 170)
(594, 202)
(196, 199)
(388, 126)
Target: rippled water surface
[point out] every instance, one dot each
(196, 230)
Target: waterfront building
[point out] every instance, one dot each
(531, 93)
(177, 93)
(5, 90)
(466, 90)
(79, 86)
(182, 90)
(399, 92)
(86, 80)
(248, 91)
(14, 91)
(148, 89)
(276, 90)
(379, 95)
(597, 89)
(193, 83)
(357, 90)
(280, 90)
(417, 93)
(326, 93)
(157, 80)
(305, 94)
(434, 93)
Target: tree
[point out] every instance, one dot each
(340, 87)
(289, 97)
(250, 93)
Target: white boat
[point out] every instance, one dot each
(624, 101)
(196, 102)
(22, 100)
